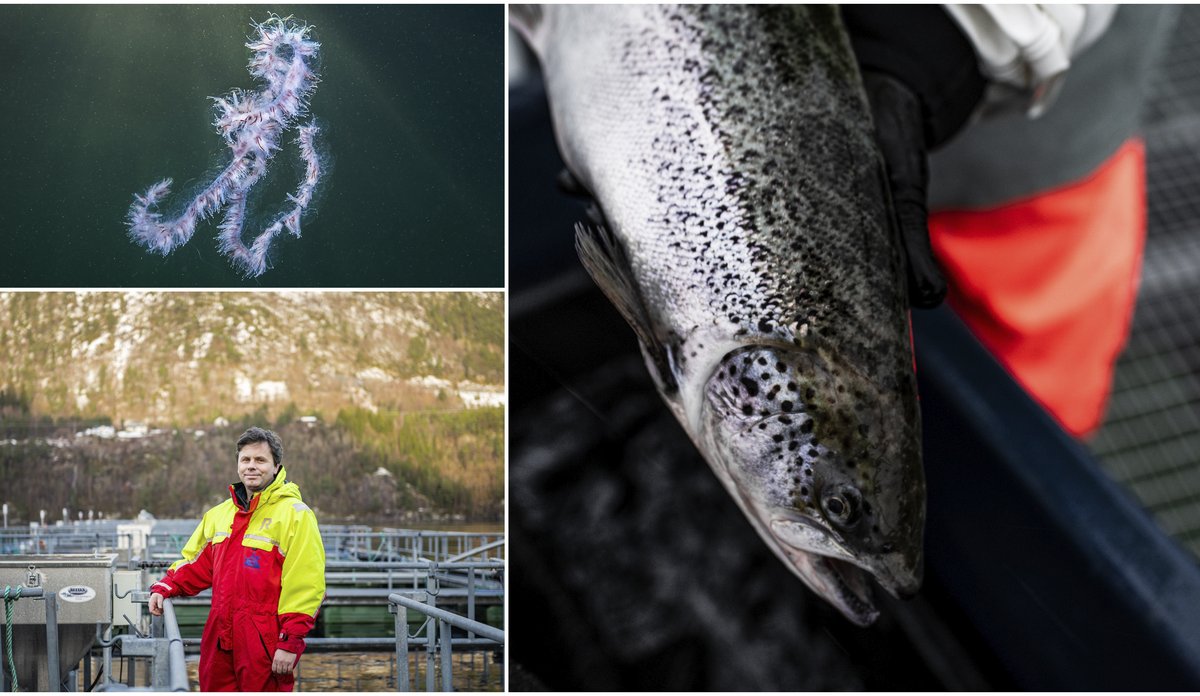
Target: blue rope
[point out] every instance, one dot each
(8, 624)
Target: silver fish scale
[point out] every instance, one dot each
(747, 205)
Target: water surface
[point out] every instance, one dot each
(103, 101)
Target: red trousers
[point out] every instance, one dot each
(247, 666)
(1048, 284)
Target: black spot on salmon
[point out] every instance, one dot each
(750, 386)
(787, 406)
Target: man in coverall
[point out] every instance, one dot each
(261, 553)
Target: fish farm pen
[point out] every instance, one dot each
(404, 610)
(1051, 564)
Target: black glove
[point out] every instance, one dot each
(901, 140)
(922, 80)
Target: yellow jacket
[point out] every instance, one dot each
(264, 560)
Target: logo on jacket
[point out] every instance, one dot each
(252, 561)
(266, 523)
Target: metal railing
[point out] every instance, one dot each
(397, 573)
(438, 639)
(498, 544)
(363, 583)
(55, 540)
(410, 544)
(177, 676)
(163, 647)
(341, 542)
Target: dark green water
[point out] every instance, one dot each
(103, 101)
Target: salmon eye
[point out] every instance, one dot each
(843, 506)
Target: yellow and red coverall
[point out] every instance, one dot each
(263, 557)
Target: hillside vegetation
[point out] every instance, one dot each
(381, 380)
(452, 468)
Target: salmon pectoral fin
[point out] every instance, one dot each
(606, 261)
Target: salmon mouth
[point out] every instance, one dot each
(852, 589)
(839, 580)
(817, 557)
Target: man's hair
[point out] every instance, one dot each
(257, 434)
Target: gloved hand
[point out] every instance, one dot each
(922, 79)
(900, 134)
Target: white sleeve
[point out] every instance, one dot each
(1027, 49)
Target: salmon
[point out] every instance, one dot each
(746, 235)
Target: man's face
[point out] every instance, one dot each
(256, 466)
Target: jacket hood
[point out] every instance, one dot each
(280, 488)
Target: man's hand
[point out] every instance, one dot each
(922, 78)
(284, 662)
(156, 604)
(899, 132)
